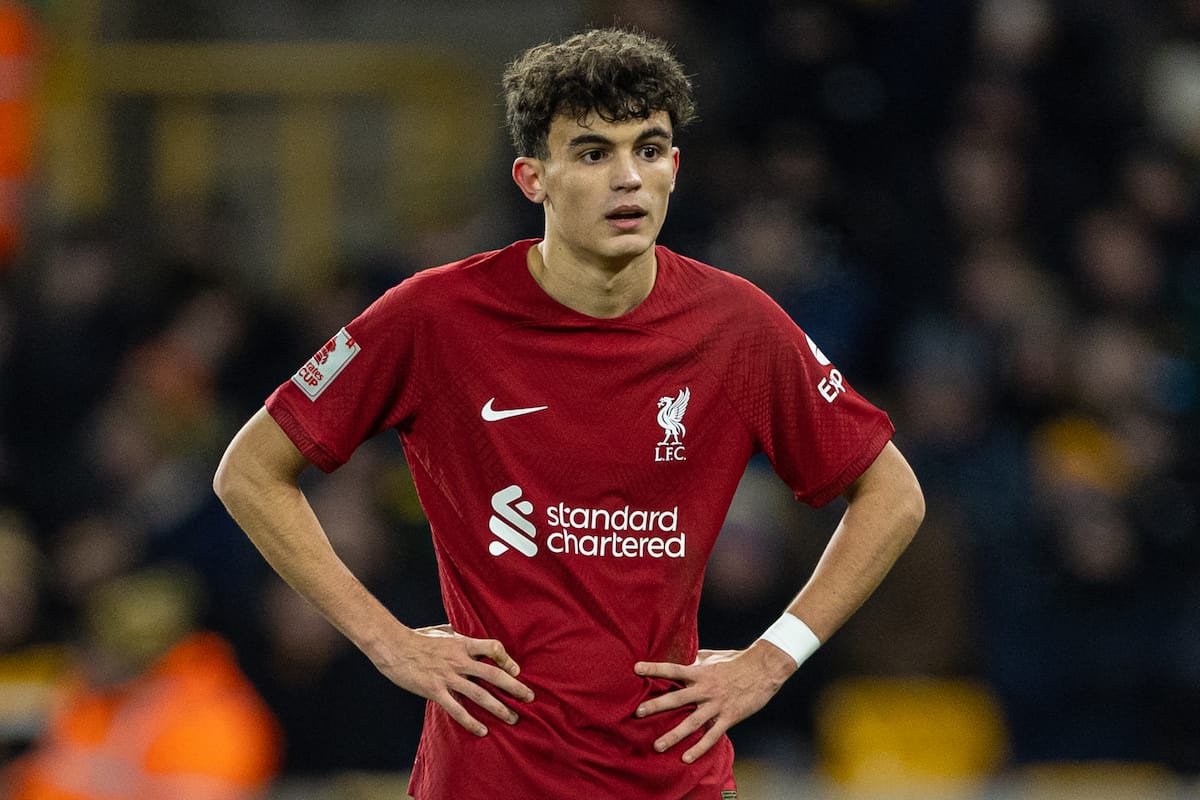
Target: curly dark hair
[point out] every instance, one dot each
(617, 74)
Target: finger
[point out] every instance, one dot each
(460, 714)
(694, 722)
(501, 680)
(485, 700)
(491, 648)
(711, 737)
(666, 702)
(657, 669)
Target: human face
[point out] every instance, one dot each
(604, 186)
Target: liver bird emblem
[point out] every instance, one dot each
(670, 416)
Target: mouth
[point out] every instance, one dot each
(626, 216)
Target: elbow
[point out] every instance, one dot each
(259, 463)
(228, 480)
(236, 485)
(222, 481)
(905, 498)
(912, 507)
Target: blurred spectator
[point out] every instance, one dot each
(1120, 270)
(1172, 86)
(153, 434)
(70, 327)
(31, 661)
(1089, 607)
(985, 185)
(88, 552)
(1159, 187)
(948, 411)
(804, 264)
(157, 709)
(22, 574)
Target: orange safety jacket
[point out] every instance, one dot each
(191, 728)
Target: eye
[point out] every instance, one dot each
(651, 152)
(593, 156)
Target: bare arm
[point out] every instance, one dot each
(885, 508)
(257, 482)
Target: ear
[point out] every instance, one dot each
(527, 174)
(674, 166)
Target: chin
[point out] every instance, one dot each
(627, 246)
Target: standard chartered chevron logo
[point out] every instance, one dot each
(510, 524)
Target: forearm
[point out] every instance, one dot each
(886, 507)
(258, 488)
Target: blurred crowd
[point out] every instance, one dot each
(984, 212)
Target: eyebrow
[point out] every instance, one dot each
(657, 132)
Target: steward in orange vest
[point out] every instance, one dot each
(190, 726)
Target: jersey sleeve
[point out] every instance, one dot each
(819, 433)
(358, 384)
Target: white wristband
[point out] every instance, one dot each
(792, 636)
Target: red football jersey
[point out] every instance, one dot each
(575, 472)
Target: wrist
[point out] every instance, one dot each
(773, 664)
(792, 638)
(386, 642)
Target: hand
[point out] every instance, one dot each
(725, 686)
(442, 665)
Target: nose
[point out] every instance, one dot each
(625, 174)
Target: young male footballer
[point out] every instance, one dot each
(577, 411)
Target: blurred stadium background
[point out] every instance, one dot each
(984, 211)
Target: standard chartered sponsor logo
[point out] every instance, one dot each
(623, 532)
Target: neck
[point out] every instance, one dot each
(596, 288)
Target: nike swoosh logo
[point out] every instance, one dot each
(490, 414)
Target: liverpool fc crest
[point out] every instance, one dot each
(670, 419)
